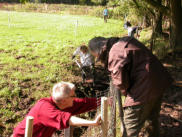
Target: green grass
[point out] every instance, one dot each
(35, 53)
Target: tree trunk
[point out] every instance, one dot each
(146, 22)
(158, 23)
(158, 20)
(153, 36)
(176, 24)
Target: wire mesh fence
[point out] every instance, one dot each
(93, 131)
(96, 131)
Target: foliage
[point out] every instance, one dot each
(114, 2)
(82, 2)
(23, 1)
(120, 11)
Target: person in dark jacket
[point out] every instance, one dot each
(138, 75)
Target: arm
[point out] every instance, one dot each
(76, 52)
(75, 121)
(84, 105)
(137, 32)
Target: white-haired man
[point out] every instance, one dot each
(56, 112)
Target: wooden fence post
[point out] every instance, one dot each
(68, 132)
(104, 116)
(29, 126)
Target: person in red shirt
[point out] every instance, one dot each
(57, 112)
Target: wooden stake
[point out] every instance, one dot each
(29, 126)
(104, 116)
(112, 116)
(68, 132)
(112, 120)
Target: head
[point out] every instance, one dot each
(96, 45)
(100, 47)
(139, 28)
(127, 24)
(63, 94)
(83, 49)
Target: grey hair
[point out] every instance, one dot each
(62, 90)
(96, 44)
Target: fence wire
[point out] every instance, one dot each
(96, 131)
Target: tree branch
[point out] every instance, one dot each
(136, 3)
(165, 10)
(148, 9)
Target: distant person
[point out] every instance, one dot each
(139, 76)
(127, 24)
(105, 13)
(57, 112)
(132, 30)
(87, 62)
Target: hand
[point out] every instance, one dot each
(97, 120)
(138, 36)
(73, 57)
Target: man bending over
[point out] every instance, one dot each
(56, 112)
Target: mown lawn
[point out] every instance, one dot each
(35, 53)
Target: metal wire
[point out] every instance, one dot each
(96, 131)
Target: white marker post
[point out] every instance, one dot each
(29, 126)
(9, 21)
(76, 27)
(104, 116)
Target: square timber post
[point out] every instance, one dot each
(104, 116)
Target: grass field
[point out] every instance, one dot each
(35, 53)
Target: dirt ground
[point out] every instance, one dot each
(171, 108)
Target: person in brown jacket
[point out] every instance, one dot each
(138, 75)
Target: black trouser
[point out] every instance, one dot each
(88, 71)
(145, 115)
(105, 18)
